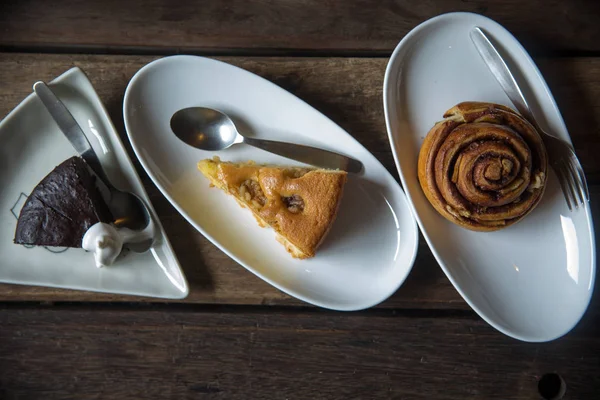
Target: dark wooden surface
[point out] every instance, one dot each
(264, 353)
(236, 337)
(276, 26)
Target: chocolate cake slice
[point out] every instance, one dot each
(62, 207)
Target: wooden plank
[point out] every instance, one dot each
(347, 90)
(275, 26)
(230, 354)
(575, 84)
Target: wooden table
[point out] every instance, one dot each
(236, 337)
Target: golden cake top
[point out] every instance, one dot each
(299, 203)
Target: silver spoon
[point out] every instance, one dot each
(127, 208)
(208, 129)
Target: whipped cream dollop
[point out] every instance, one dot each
(105, 241)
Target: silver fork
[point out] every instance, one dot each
(561, 154)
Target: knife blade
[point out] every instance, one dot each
(70, 128)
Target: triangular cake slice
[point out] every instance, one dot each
(62, 207)
(300, 204)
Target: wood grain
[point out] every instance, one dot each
(349, 91)
(234, 354)
(274, 26)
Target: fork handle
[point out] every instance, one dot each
(501, 72)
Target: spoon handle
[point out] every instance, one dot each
(306, 154)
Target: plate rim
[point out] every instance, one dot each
(386, 101)
(293, 293)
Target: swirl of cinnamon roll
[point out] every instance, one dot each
(483, 167)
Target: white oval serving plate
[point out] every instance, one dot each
(372, 245)
(32, 145)
(533, 280)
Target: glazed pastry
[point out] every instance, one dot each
(300, 204)
(483, 167)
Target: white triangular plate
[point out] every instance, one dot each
(32, 145)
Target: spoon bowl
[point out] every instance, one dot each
(204, 128)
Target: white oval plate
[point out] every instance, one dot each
(372, 245)
(532, 281)
(32, 145)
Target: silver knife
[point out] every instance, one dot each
(71, 129)
(126, 207)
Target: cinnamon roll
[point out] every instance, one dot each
(483, 167)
